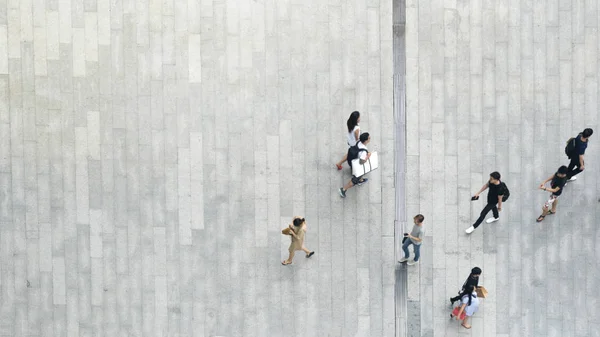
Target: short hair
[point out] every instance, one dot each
(298, 221)
(563, 170)
(364, 137)
(587, 133)
(419, 218)
(495, 175)
(476, 271)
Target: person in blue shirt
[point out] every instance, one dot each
(581, 143)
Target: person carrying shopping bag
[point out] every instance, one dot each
(468, 307)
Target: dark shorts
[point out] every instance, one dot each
(355, 180)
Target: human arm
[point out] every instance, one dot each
(482, 189)
(367, 156)
(546, 181)
(415, 238)
(581, 164)
(460, 311)
(357, 133)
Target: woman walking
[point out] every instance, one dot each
(353, 134)
(297, 231)
(469, 305)
(557, 183)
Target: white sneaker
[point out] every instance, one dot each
(402, 260)
(573, 178)
(412, 262)
(492, 219)
(470, 230)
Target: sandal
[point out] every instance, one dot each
(550, 212)
(540, 218)
(310, 254)
(465, 326)
(285, 263)
(339, 167)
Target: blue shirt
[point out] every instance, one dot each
(580, 146)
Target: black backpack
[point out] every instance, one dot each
(570, 147)
(506, 192)
(353, 153)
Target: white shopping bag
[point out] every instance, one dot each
(371, 164)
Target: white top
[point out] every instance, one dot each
(470, 309)
(362, 154)
(351, 139)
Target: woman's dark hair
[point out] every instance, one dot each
(476, 271)
(298, 221)
(587, 133)
(419, 218)
(363, 137)
(468, 291)
(495, 175)
(352, 120)
(562, 170)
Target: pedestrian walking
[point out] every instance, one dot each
(469, 305)
(415, 238)
(494, 200)
(357, 151)
(353, 134)
(472, 280)
(557, 182)
(297, 230)
(575, 150)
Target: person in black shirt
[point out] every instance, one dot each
(581, 143)
(557, 182)
(472, 280)
(494, 197)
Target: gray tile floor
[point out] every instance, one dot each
(151, 152)
(501, 85)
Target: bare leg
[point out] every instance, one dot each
(339, 163)
(544, 210)
(305, 250)
(465, 323)
(554, 205)
(289, 260)
(348, 185)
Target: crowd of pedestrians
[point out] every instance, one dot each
(498, 193)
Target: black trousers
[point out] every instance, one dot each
(489, 207)
(572, 170)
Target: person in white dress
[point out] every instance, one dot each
(352, 136)
(469, 303)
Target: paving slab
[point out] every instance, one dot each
(500, 85)
(153, 150)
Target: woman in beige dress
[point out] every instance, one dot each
(297, 232)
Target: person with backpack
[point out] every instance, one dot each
(498, 192)
(472, 280)
(557, 182)
(357, 151)
(352, 136)
(575, 150)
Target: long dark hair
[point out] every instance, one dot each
(352, 120)
(468, 291)
(298, 221)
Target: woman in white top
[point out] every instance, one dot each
(469, 305)
(352, 136)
